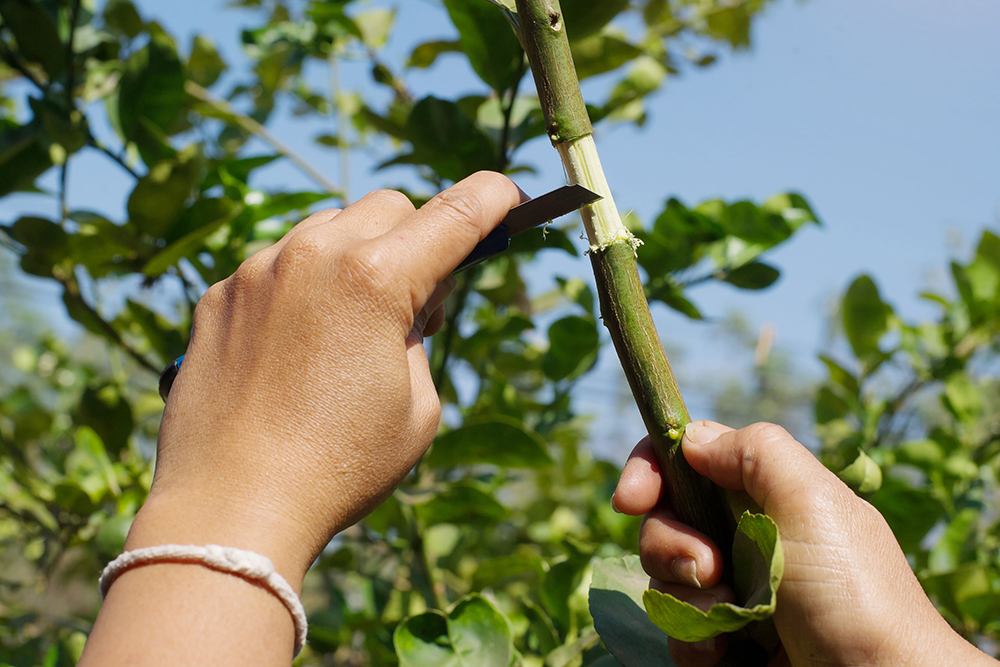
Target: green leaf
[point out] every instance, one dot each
(473, 634)
(963, 398)
(645, 76)
(863, 475)
(730, 23)
(487, 41)
(205, 65)
(110, 538)
(45, 243)
(375, 25)
(910, 512)
(446, 140)
(573, 347)
(197, 223)
(562, 579)
(36, 33)
(585, 17)
(286, 202)
(865, 316)
(104, 409)
(463, 502)
(948, 553)
(426, 54)
(151, 96)
(602, 53)
(499, 441)
(841, 376)
(758, 565)
(121, 16)
(24, 157)
(160, 196)
(616, 604)
(500, 570)
(164, 339)
(101, 245)
(753, 276)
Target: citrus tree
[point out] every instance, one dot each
(497, 531)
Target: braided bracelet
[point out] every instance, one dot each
(246, 564)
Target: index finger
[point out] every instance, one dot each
(432, 241)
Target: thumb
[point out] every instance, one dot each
(763, 460)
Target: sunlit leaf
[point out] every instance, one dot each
(620, 617)
(473, 634)
(487, 40)
(863, 475)
(865, 316)
(498, 441)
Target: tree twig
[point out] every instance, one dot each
(109, 331)
(13, 61)
(258, 130)
(503, 159)
(343, 146)
(94, 143)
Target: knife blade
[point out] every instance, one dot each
(529, 215)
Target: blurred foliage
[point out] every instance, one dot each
(509, 511)
(910, 412)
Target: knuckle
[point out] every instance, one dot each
(323, 215)
(767, 434)
(211, 301)
(301, 251)
(393, 198)
(491, 179)
(464, 208)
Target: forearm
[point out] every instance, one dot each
(186, 613)
(179, 614)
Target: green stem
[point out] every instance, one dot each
(624, 309)
(343, 126)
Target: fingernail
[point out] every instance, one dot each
(613, 506)
(700, 434)
(707, 646)
(686, 569)
(703, 601)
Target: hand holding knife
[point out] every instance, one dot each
(521, 218)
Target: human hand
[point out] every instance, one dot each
(305, 395)
(848, 596)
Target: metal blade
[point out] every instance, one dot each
(548, 207)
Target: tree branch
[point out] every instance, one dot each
(503, 160)
(258, 130)
(94, 143)
(13, 61)
(107, 329)
(624, 309)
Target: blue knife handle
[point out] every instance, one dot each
(168, 376)
(495, 243)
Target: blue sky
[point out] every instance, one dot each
(884, 113)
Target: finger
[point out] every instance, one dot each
(762, 459)
(374, 214)
(674, 552)
(704, 653)
(434, 322)
(430, 243)
(422, 321)
(640, 484)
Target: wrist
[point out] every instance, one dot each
(191, 519)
